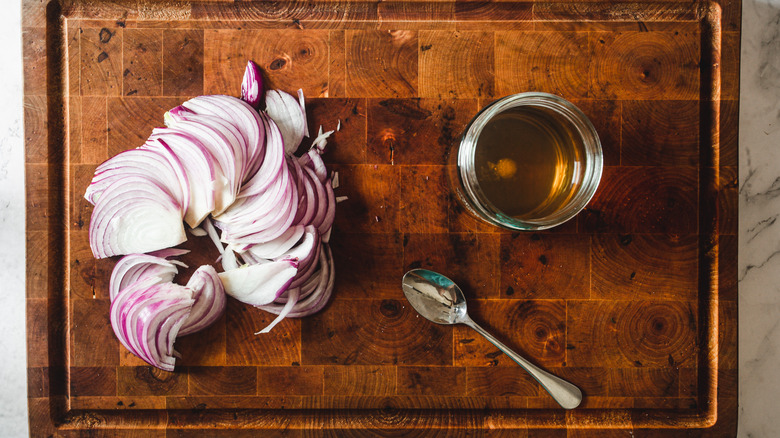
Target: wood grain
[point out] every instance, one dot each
(539, 266)
(286, 57)
(415, 131)
(243, 347)
(366, 332)
(349, 115)
(148, 381)
(423, 206)
(382, 63)
(523, 64)
(538, 328)
(460, 61)
(373, 199)
(662, 200)
(471, 260)
(142, 62)
(622, 300)
(644, 267)
(645, 65)
(101, 62)
(631, 333)
(658, 133)
(374, 264)
(182, 62)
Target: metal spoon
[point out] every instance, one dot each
(440, 300)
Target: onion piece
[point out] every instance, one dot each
(321, 140)
(153, 165)
(229, 260)
(259, 284)
(252, 85)
(134, 215)
(134, 267)
(200, 232)
(248, 122)
(210, 300)
(293, 294)
(289, 115)
(273, 162)
(198, 166)
(315, 300)
(148, 315)
(225, 144)
(276, 247)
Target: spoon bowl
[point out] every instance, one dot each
(440, 300)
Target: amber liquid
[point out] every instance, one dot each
(528, 161)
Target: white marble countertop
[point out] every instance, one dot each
(759, 229)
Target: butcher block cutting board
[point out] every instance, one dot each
(634, 300)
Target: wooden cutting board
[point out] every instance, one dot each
(634, 300)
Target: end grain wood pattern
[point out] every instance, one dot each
(634, 300)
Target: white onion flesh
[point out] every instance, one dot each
(259, 284)
(290, 115)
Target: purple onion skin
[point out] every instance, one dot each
(252, 86)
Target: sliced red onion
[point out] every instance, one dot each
(302, 103)
(134, 215)
(292, 299)
(225, 144)
(321, 141)
(276, 247)
(229, 260)
(273, 162)
(305, 252)
(212, 233)
(218, 157)
(199, 167)
(153, 165)
(259, 284)
(200, 232)
(252, 85)
(248, 122)
(322, 284)
(210, 300)
(289, 115)
(147, 315)
(313, 160)
(134, 267)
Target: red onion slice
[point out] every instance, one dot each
(148, 312)
(153, 165)
(210, 300)
(133, 215)
(252, 85)
(290, 115)
(276, 247)
(259, 284)
(293, 298)
(199, 167)
(244, 118)
(319, 297)
(219, 157)
(134, 267)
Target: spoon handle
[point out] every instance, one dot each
(566, 394)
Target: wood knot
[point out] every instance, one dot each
(390, 308)
(105, 35)
(277, 64)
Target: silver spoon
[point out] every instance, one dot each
(440, 300)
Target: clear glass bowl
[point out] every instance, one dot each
(586, 166)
